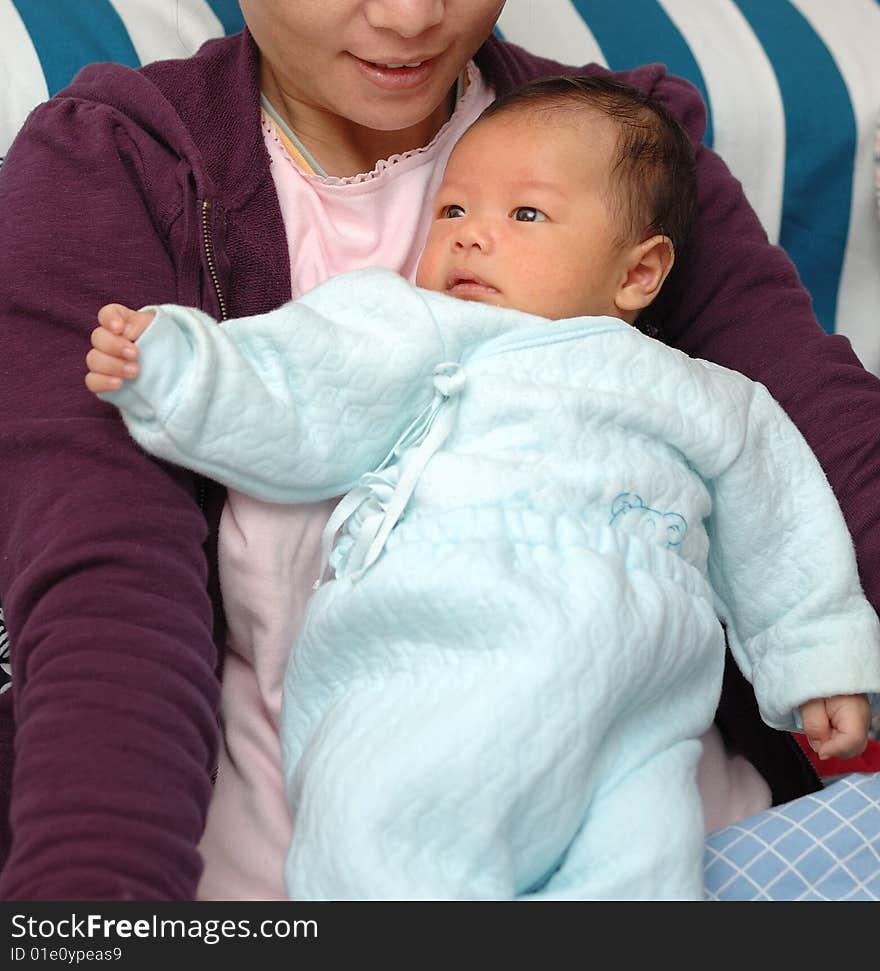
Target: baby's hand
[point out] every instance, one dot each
(113, 357)
(837, 727)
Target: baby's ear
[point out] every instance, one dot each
(647, 266)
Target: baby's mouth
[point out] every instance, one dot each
(468, 286)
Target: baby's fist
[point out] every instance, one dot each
(837, 727)
(113, 357)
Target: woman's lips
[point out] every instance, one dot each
(397, 76)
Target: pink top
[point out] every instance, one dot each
(270, 554)
(379, 218)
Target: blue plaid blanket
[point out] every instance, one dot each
(824, 846)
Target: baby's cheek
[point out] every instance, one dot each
(428, 268)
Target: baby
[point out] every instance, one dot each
(502, 680)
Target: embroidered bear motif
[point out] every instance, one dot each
(669, 528)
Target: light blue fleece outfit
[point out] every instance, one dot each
(501, 683)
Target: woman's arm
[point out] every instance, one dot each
(102, 571)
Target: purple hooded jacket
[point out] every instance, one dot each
(154, 185)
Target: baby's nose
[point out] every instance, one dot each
(472, 235)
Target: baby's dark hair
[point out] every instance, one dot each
(654, 175)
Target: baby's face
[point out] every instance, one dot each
(522, 217)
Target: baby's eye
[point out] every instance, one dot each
(451, 212)
(528, 214)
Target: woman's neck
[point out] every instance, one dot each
(343, 148)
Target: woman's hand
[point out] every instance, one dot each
(837, 727)
(113, 357)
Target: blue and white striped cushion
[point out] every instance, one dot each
(793, 88)
(877, 167)
(43, 43)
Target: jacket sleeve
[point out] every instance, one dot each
(290, 406)
(102, 568)
(782, 565)
(735, 299)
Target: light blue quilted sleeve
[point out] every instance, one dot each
(290, 406)
(784, 570)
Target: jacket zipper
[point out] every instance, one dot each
(224, 315)
(221, 302)
(209, 257)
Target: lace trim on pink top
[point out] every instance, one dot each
(469, 96)
(379, 218)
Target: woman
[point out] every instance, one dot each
(172, 184)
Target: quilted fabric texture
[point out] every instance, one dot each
(825, 846)
(508, 701)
